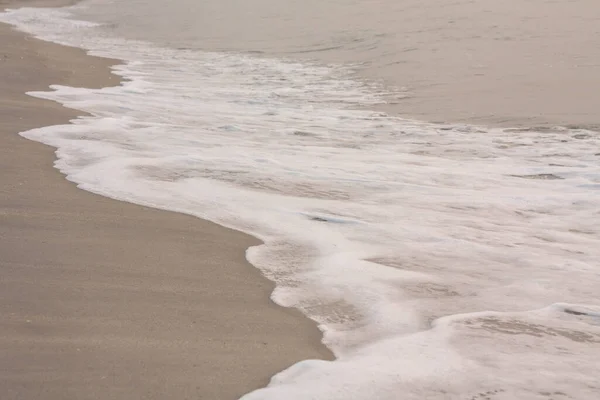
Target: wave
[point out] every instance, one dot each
(440, 261)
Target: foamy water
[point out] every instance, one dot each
(500, 62)
(440, 261)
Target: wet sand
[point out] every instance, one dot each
(102, 299)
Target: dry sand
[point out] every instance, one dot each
(102, 299)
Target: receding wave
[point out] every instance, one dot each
(440, 261)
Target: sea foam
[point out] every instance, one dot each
(440, 261)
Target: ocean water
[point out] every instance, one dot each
(509, 62)
(441, 261)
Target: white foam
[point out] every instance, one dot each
(439, 261)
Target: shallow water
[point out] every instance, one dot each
(440, 260)
(503, 63)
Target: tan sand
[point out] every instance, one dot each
(102, 299)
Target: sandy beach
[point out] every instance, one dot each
(107, 300)
(441, 262)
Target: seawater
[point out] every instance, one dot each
(525, 62)
(441, 261)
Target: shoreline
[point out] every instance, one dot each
(107, 299)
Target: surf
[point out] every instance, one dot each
(432, 256)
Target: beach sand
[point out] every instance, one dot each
(102, 299)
